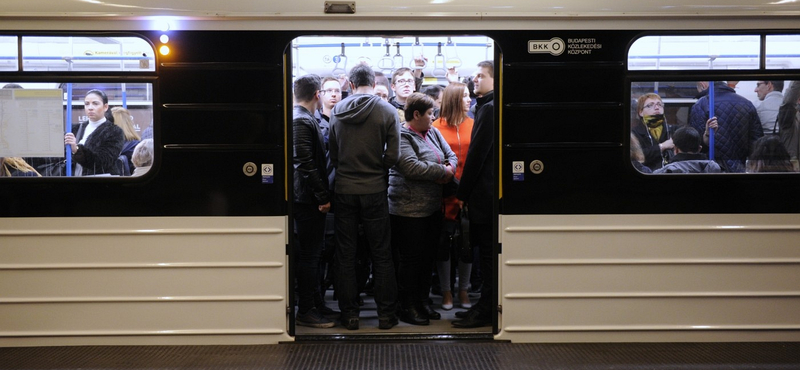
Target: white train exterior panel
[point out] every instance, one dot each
(650, 278)
(81, 281)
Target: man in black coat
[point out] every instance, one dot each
(311, 199)
(476, 191)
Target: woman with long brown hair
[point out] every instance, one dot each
(456, 127)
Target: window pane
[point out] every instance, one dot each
(84, 54)
(36, 117)
(695, 53)
(8, 54)
(783, 51)
(747, 138)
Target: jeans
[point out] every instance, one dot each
(310, 229)
(415, 240)
(372, 211)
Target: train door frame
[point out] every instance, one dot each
(338, 334)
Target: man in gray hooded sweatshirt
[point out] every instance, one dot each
(364, 144)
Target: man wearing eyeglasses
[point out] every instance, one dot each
(770, 93)
(330, 94)
(404, 83)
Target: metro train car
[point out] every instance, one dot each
(199, 249)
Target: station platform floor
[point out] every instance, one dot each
(409, 355)
(409, 347)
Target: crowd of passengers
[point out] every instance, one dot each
(386, 186)
(105, 144)
(745, 138)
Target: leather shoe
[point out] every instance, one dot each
(387, 323)
(474, 319)
(350, 323)
(414, 317)
(462, 314)
(431, 313)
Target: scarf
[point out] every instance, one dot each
(655, 124)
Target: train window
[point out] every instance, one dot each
(669, 133)
(754, 126)
(84, 54)
(783, 51)
(334, 56)
(36, 118)
(695, 52)
(9, 60)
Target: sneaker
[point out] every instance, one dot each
(388, 323)
(328, 312)
(350, 323)
(313, 319)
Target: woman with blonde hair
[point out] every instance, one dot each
(142, 157)
(15, 166)
(456, 128)
(123, 119)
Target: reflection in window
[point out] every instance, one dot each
(783, 51)
(712, 52)
(9, 61)
(93, 53)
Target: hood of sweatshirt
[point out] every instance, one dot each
(356, 109)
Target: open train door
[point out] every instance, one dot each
(332, 56)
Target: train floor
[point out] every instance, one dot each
(368, 324)
(411, 355)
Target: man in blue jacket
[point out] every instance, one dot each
(738, 125)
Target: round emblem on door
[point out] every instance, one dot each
(537, 167)
(250, 169)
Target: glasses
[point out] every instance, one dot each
(654, 104)
(330, 91)
(404, 82)
(759, 84)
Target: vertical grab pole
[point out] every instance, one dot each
(68, 128)
(711, 114)
(124, 95)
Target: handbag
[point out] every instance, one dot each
(464, 247)
(449, 189)
(58, 168)
(449, 240)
